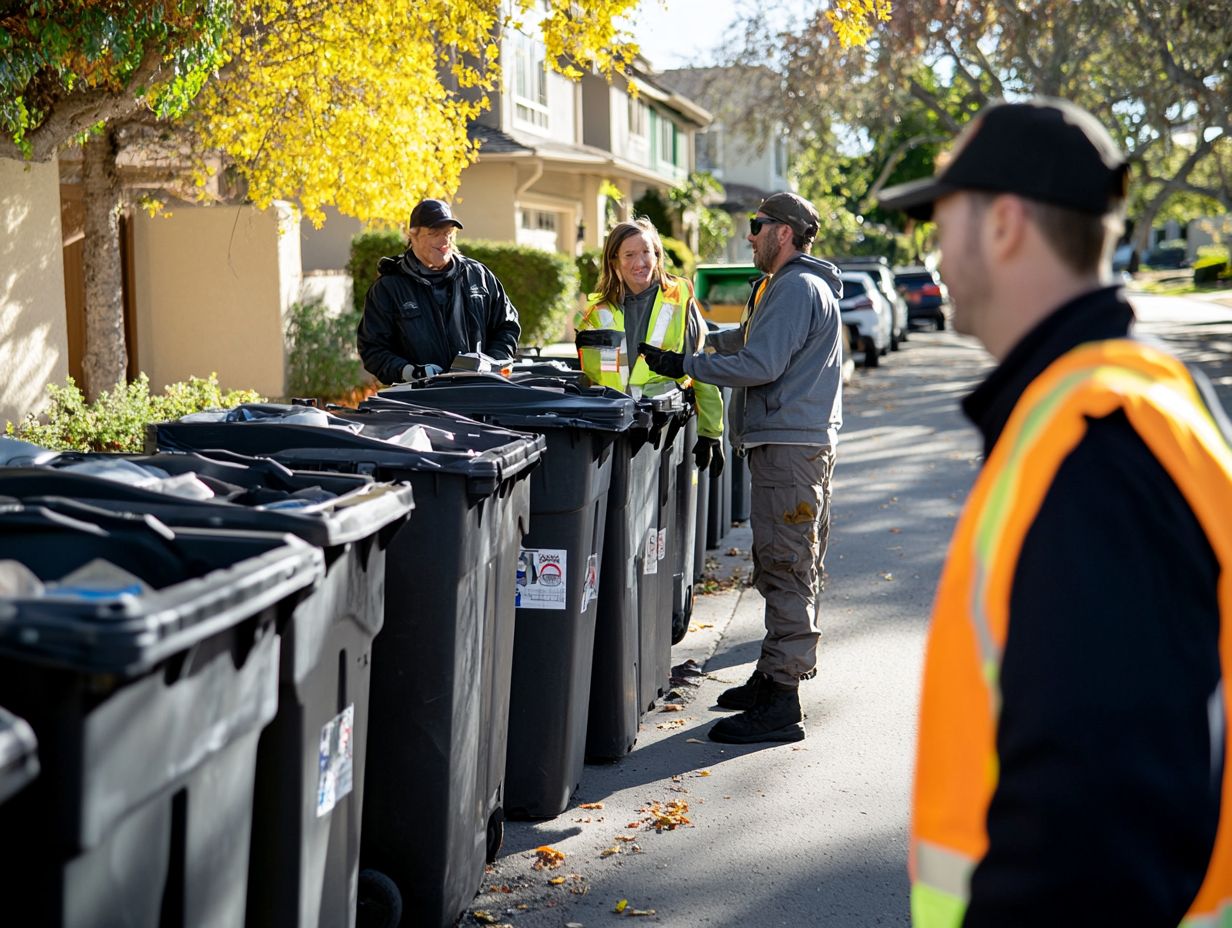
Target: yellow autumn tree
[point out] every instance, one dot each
(364, 104)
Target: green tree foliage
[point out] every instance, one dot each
(116, 420)
(68, 66)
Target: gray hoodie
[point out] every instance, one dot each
(785, 363)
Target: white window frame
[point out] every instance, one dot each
(639, 118)
(530, 67)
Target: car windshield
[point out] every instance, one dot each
(852, 288)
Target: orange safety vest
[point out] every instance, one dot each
(957, 765)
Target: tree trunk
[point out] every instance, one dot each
(105, 357)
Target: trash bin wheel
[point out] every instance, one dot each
(496, 834)
(380, 903)
(680, 621)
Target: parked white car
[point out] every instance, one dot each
(867, 315)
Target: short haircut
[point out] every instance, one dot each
(1082, 241)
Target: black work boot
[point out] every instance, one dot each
(747, 694)
(776, 718)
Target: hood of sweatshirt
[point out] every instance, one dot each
(406, 263)
(824, 269)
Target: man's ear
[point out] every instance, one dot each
(1005, 226)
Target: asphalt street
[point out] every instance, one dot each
(813, 833)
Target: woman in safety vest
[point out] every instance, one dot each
(1073, 764)
(638, 301)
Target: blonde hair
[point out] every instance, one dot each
(611, 287)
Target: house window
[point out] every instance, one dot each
(538, 227)
(780, 156)
(530, 81)
(710, 151)
(667, 141)
(637, 118)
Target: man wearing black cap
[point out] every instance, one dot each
(1073, 726)
(431, 304)
(784, 364)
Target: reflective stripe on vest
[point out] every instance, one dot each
(957, 767)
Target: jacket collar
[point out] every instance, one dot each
(1093, 316)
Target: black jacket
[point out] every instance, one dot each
(403, 323)
(1107, 802)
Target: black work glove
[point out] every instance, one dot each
(708, 452)
(665, 363)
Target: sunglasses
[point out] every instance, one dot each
(756, 223)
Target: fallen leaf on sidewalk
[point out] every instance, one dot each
(610, 851)
(591, 805)
(887, 576)
(639, 912)
(626, 838)
(484, 918)
(734, 552)
(671, 707)
(621, 906)
(896, 531)
(703, 773)
(694, 741)
(548, 858)
(671, 724)
(556, 881)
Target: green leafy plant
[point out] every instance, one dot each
(589, 266)
(678, 257)
(322, 358)
(116, 420)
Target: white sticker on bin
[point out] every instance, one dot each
(590, 588)
(662, 544)
(335, 767)
(543, 575)
(650, 565)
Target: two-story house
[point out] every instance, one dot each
(749, 168)
(552, 151)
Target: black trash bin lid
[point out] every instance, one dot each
(197, 583)
(543, 403)
(358, 508)
(361, 440)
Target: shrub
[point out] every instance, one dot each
(322, 359)
(367, 249)
(589, 266)
(541, 284)
(679, 257)
(116, 420)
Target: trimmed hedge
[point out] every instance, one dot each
(367, 249)
(541, 284)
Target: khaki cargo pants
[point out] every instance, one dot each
(790, 515)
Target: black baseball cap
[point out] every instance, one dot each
(794, 210)
(431, 213)
(1042, 149)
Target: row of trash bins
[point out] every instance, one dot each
(295, 666)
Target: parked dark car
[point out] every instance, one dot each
(925, 294)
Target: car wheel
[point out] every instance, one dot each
(894, 340)
(872, 357)
(940, 322)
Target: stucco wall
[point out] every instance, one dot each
(484, 202)
(212, 286)
(33, 337)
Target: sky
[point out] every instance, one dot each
(685, 33)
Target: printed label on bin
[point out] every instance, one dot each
(662, 543)
(651, 563)
(590, 588)
(609, 359)
(334, 759)
(542, 578)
